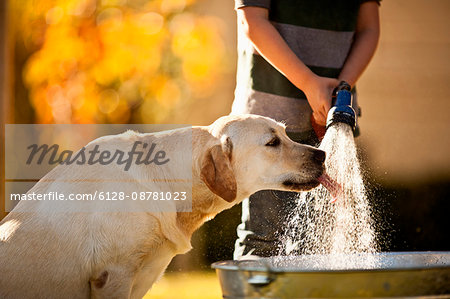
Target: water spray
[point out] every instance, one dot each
(342, 111)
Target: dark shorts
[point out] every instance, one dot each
(264, 215)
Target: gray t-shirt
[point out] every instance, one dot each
(320, 37)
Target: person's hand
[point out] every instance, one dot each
(318, 91)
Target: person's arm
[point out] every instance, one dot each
(269, 43)
(365, 42)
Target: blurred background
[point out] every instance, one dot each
(174, 62)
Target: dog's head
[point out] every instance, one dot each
(253, 153)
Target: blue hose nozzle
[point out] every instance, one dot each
(342, 111)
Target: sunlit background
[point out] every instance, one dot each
(174, 61)
(118, 61)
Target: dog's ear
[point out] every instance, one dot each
(217, 173)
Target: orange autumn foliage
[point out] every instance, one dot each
(117, 61)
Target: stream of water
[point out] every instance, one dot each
(318, 226)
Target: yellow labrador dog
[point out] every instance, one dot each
(121, 254)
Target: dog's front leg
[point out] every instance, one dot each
(152, 269)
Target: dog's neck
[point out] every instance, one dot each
(205, 206)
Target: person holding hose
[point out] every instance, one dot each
(291, 55)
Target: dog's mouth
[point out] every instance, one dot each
(309, 179)
(301, 186)
(334, 188)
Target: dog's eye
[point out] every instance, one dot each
(275, 141)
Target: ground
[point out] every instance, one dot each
(186, 285)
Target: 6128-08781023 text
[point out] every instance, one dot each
(103, 196)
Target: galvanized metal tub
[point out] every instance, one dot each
(400, 274)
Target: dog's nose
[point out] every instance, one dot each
(319, 156)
